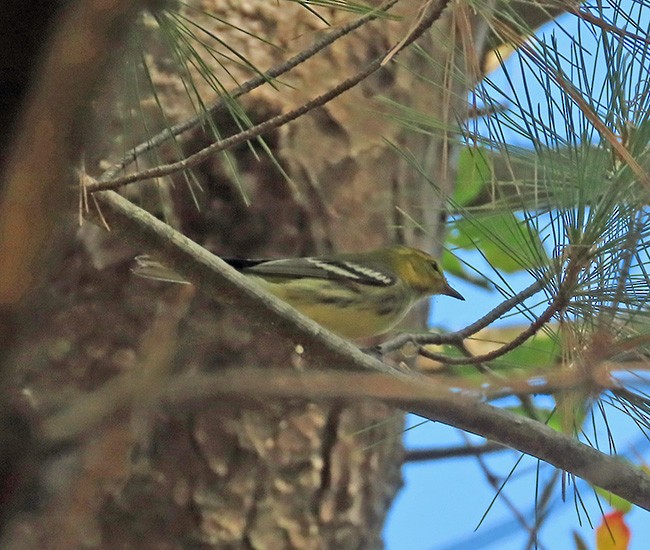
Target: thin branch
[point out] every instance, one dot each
(556, 305)
(244, 89)
(469, 450)
(575, 264)
(434, 11)
(469, 330)
(419, 26)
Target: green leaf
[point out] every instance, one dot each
(540, 352)
(473, 173)
(508, 243)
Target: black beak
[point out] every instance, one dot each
(448, 291)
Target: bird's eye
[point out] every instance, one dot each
(435, 267)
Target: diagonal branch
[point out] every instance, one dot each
(458, 336)
(434, 10)
(220, 281)
(413, 392)
(575, 264)
(433, 401)
(469, 450)
(558, 304)
(244, 89)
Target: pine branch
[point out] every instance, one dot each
(434, 10)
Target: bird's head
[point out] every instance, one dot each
(421, 271)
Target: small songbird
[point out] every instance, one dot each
(355, 295)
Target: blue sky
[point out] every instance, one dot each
(443, 501)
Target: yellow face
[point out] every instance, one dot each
(423, 272)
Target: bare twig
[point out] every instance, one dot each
(420, 25)
(469, 330)
(245, 88)
(556, 305)
(469, 450)
(576, 261)
(434, 11)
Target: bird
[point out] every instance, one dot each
(355, 295)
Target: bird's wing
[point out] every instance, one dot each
(315, 268)
(290, 268)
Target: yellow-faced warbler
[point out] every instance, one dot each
(354, 295)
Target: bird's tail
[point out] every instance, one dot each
(145, 266)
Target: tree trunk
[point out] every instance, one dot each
(242, 474)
